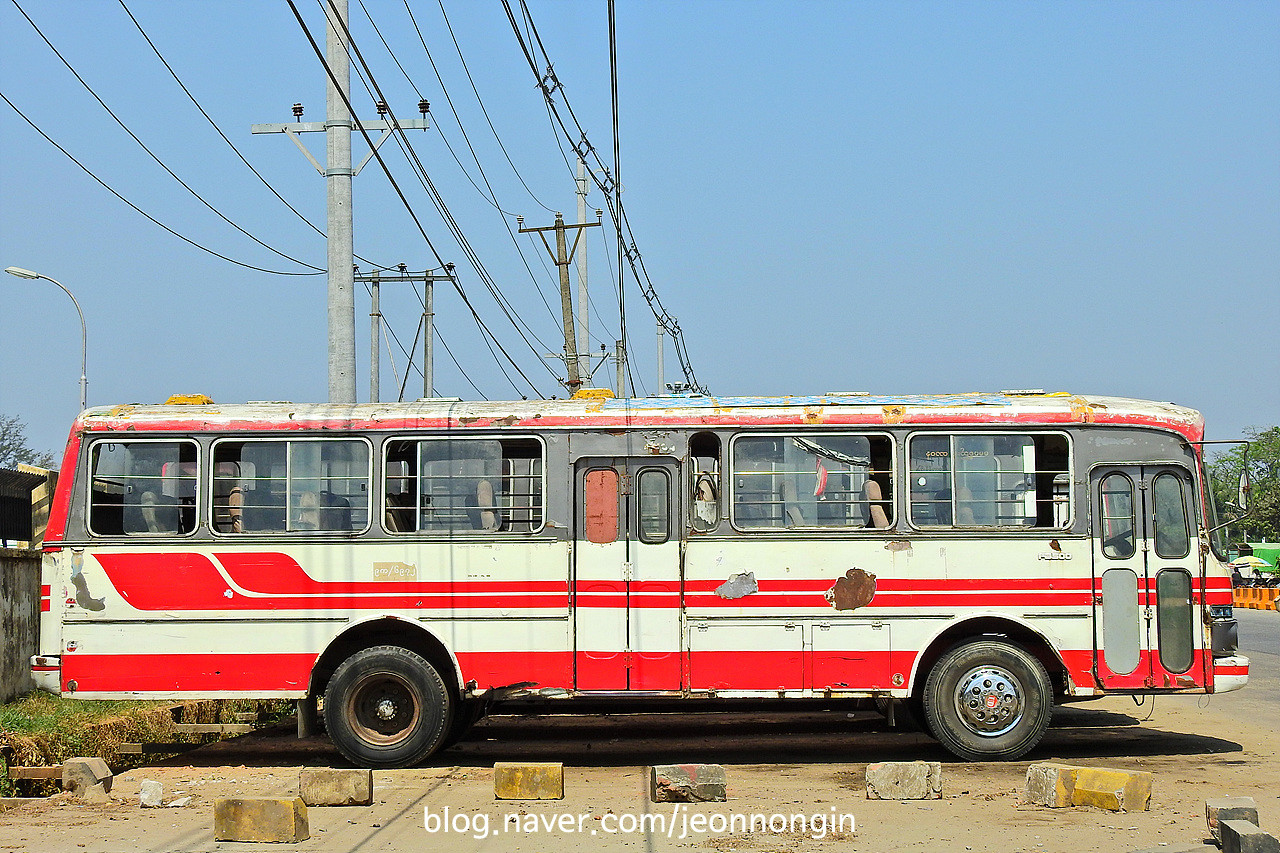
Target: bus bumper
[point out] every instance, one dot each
(46, 672)
(1230, 673)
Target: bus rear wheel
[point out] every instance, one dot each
(387, 707)
(988, 700)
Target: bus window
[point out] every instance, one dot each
(1117, 518)
(971, 480)
(142, 488)
(704, 471)
(812, 481)
(1169, 517)
(653, 489)
(294, 486)
(477, 485)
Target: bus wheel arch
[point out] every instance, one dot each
(391, 690)
(385, 631)
(999, 661)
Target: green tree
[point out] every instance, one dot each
(14, 448)
(1263, 454)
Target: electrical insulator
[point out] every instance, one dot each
(424, 107)
(382, 108)
(297, 110)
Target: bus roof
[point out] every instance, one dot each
(977, 408)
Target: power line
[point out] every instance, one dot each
(137, 209)
(491, 197)
(479, 100)
(549, 84)
(400, 193)
(406, 146)
(225, 139)
(150, 153)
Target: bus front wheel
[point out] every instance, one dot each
(988, 700)
(387, 707)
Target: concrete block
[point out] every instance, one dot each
(1051, 785)
(325, 786)
(1229, 808)
(260, 820)
(81, 774)
(1113, 790)
(688, 783)
(152, 794)
(96, 795)
(1240, 836)
(528, 780)
(904, 780)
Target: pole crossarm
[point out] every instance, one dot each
(293, 129)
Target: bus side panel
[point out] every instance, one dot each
(248, 620)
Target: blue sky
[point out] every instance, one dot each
(891, 197)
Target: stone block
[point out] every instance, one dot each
(81, 774)
(528, 780)
(1113, 790)
(688, 783)
(1229, 808)
(1240, 836)
(1051, 785)
(904, 780)
(260, 820)
(326, 786)
(151, 796)
(96, 795)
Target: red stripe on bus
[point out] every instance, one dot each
(501, 669)
(281, 575)
(187, 672)
(190, 581)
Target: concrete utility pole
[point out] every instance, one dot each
(338, 174)
(428, 279)
(562, 257)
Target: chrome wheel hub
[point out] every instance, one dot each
(989, 700)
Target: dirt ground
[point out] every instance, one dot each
(778, 765)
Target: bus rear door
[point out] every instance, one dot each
(1146, 573)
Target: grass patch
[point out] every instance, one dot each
(41, 730)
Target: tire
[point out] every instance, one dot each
(387, 707)
(988, 700)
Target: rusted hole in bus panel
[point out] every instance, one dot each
(600, 505)
(854, 590)
(738, 586)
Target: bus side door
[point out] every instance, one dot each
(1146, 570)
(627, 574)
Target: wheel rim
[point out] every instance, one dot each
(384, 708)
(989, 701)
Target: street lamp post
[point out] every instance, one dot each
(84, 334)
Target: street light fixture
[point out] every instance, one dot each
(84, 334)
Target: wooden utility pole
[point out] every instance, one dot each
(563, 256)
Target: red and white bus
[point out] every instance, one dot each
(974, 557)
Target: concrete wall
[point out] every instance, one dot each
(19, 619)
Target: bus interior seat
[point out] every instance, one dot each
(875, 505)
